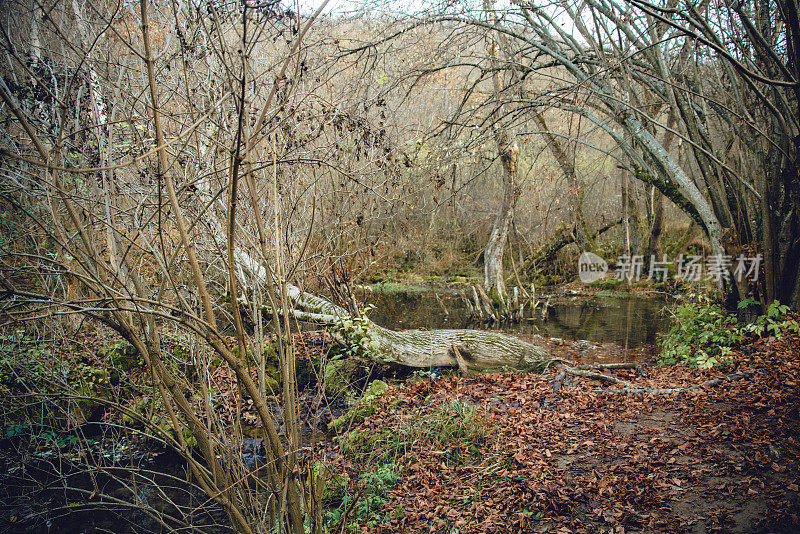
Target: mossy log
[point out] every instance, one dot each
(429, 348)
(477, 349)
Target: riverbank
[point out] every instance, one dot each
(508, 450)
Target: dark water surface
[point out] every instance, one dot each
(629, 321)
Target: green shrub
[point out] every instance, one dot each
(355, 340)
(773, 323)
(702, 336)
(366, 507)
(23, 363)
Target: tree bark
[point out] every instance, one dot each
(479, 349)
(495, 247)
(508, 150)
(656, 228)
(574, 195)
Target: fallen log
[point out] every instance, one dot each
(478, 349)
(708, 383)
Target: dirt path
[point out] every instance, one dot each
(721, 459)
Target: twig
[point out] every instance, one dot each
(712, 382)
(597, 376)
(556, 362)
(619, 365)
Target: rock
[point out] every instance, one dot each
(377, 388)
(365, 406)
(338, 377)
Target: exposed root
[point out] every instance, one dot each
(597, 376)
(710, 383)
(619, 365)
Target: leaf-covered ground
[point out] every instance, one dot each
(712, 459)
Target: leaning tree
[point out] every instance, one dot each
(700, 101)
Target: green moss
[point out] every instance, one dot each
(86, 410)
(365, 407)
(397, 287)
(163, 422)
(93, 386)
(377, 388)
(140, 406)
(672, 192)
(271, 385)
(494, 295)
(606, 283)
(338, 377)
(352, 441)
(306, 372)
(121, 355)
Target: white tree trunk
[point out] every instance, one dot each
(495, 247)
(429, 348)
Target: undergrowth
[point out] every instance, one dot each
(704, 334)
(459, 431)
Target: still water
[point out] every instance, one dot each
(629, 321)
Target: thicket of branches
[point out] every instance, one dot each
(697, 100)
(169, 168)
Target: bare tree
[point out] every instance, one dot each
(695, 103)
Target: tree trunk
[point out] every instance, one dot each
(656, 229)
(574, 194)
(479, 349)
(508, 150)
(437, 348)
(495, 247)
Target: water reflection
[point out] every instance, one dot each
(629, 321)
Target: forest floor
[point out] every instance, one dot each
(503, 452)
(506, 452)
